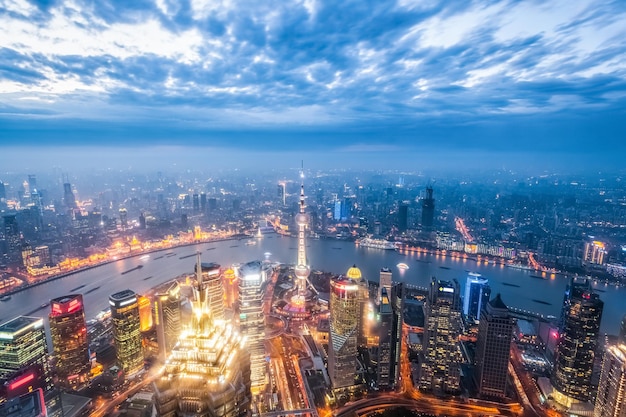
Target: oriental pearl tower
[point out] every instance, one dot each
(302, 269)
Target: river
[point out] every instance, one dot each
(518, 287)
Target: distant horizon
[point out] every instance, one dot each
(544, 79)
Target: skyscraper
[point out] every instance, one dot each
(68, 196)
(611, 398)
(24, 356)
(403, 217)
(69, 340)
(145, 313)
(167, 318)
(345, 305)
(389, 337)
(440, 368)
(13, 238)
(493, 348)
(208, 371)
(384, 281)
(428, 210)
(622, 331)
(210, 276)
(477, 293)
(581, 316)
(126, 330)
(252, 322)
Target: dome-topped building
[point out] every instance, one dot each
(354, 273)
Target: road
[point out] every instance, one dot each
(110, 405)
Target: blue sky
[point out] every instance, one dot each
(350, 76)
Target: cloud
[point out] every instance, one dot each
(365, 71)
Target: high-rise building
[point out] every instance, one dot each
(493, 348)
(594, 252)
(23, 356)
(390, 308)
(581, 316)
(123, 218)
(69, 340)
(252, 322)
(428, 210)
(477, 294)
(211, 278)
(3, 192)
(203, 202)
(13, 238)
(167, 318)
(345, 306)
(611, 398)
(208, 371)
(127, 330)
(364, 328)
(384, 281)
(440, 368)
(403, 217)
(145, 313)
(68, 196)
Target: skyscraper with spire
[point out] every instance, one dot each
(302, 269)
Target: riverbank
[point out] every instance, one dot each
(21, 288)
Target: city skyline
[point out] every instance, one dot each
(308, 77)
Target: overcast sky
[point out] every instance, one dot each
(373, 78)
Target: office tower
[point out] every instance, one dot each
(440, 368)
(142, 221)
(363, 324)
(196, 202)
(23, 356)
(3, 192)
(123, 218)
(493, 348)
(622, 331)
(203, 202)
(167, 318)
(13, 238)
(477, 294)
(428, 210)
(210, 276)
(252, 322)
(611, 398)
(68, 196)
(126, 330)
(145, 313)
(397, 305)
(384, 281)
(212, 204)
(594, 252)
(69, 340)
(344, 312)
(581, 316)
(208, 371)
(403, 217)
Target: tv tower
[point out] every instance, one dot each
(302, 269)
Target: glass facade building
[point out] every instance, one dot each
(127, 330)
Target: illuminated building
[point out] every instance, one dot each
(167, 318)
(145, 313)
(428, 210)
(127, 330)
(440, 367)
(69, 340)
(302, 269)
(23, 356)
(12, 237)
(390, 307)
(231, 288)
(123, 218)
(211, 279)
(207, 373)
(345, 306)
(594, 253)
(611, 398)
(477, 294)
(252, 321)
(384, 281)
(364, 327)
(622, 331)
(31, 404)
(493, 348)
(581, 316)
